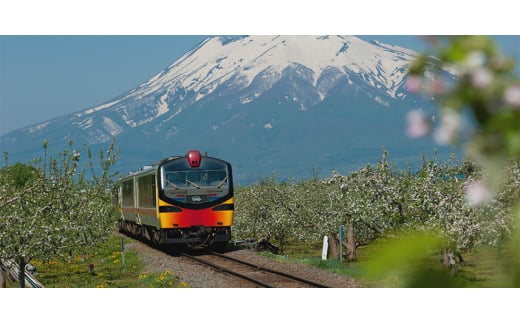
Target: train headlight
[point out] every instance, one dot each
(193, 158)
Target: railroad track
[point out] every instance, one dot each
(258, 276)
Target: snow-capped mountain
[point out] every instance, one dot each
(285, 104)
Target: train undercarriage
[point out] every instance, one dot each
(195, 237)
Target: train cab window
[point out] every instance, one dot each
(176, 179)
(196, 178)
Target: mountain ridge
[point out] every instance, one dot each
(267, 89)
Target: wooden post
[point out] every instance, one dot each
(333, 246)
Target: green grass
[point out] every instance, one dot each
(489, 267)
(484, 267)
(108, 270)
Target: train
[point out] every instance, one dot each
(180, 201)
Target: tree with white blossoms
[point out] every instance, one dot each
(49, 208)
(320, 210)
(267, 210)
(436, 202)
(497, 215)
(366, 201)
(381, 201)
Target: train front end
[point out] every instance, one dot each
(195, 200)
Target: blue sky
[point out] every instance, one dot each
(43, 77)
(51, 65)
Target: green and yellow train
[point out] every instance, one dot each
(185, 200)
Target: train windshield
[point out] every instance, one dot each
(196, 178)
(206, 183)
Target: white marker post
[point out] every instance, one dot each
(325, 248)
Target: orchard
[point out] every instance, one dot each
(54, 207)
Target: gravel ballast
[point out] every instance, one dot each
(198, 276)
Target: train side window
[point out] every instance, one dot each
(154, 194)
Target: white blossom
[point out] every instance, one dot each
(474, 60)
(481, 78)
(418, 124)
(477, 193)
(451, 125)
(512, 96)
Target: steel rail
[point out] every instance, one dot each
(280, 273)
(234, 273)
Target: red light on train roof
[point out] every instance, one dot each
(193, 158)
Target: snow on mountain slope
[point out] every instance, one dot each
(216, 61)
(237, 62)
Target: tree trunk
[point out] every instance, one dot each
(461, 260)
(3, 276)
(351, 243)
(444, 258)
(333, 246)
(21, 272)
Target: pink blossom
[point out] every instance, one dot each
(414, 83)
(512, 96)
(418, 124)
(436, 86)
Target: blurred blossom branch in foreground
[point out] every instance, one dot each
(419, 124)
(477, 193)
(485, 90)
